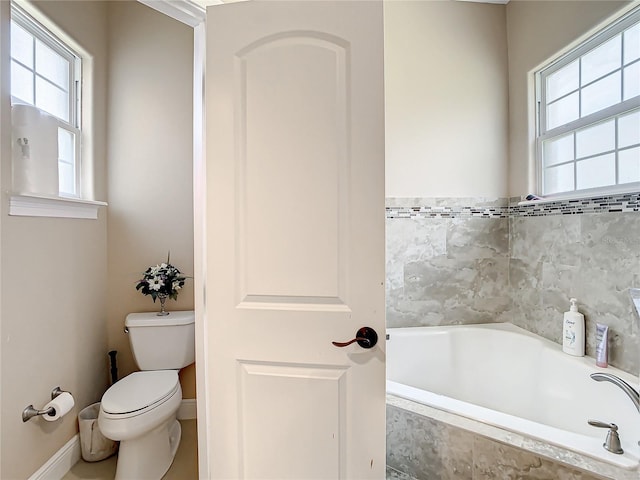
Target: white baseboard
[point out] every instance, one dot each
(65, 458)
(187, 410)
(61, 462)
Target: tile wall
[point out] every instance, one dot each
(422, 448)
(447, 261)
(475, 260)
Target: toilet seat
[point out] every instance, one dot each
(140, 392)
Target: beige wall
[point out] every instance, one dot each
(536, 31)
(150, 162)
(446, 99)
(53, 282)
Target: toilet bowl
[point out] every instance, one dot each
(140, 410)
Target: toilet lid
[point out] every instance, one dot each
(139, 391)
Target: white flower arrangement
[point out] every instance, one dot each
(161, 281)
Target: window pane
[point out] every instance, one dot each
(52, 100)
(563, 81)
(558, 150)
(52, 66)
(602, 94)
(563, 111)
(629, 129)
(597, 139)
(596, 172)
(632, 81)
(558, 179)
(21, 83)
(629, 165)
(632, 44)
(21, 45)
(66, 142)
(602, 60)
(66, 162)
(66, 179)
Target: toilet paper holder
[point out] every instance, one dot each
(29, 412)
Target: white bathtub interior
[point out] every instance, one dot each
(507, 377)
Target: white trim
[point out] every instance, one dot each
(200, 250)
(194, 15)
(500, 2)
(61, 462)
(188, 409)
(184, 11)
(43, 206)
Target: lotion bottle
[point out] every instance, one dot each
(573, 331)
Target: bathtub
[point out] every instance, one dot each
(506, 377)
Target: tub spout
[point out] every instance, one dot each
(626, 388)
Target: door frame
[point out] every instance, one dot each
(195, 16)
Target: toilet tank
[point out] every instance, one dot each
(162, 342)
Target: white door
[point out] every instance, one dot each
(295, 240)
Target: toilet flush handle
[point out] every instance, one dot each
(126, 329)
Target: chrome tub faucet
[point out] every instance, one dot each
(626, 388)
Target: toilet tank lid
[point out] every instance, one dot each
(152, 319)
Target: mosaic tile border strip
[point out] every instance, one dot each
(628, 202)
(447, 212)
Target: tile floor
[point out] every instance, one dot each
(184, 467)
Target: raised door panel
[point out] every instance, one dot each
(291, 108)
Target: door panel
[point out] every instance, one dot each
(269, 431)
(295, 240)
(293, 79)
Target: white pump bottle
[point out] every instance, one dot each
(573, 331)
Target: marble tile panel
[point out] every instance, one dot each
(473, 238)
(446, 202)
(426, 449)
(568, 459)
(402, 312)
(446, 271)
(411, 240)
(393, 474)
(493, 460)
(591, 257)
(463, 291)
(553, 238)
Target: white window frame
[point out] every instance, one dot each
(612, 112)
(38, 31)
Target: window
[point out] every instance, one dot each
(588, 136)
(45, 73)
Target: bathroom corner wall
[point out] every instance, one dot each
(150, 163)
(592, 255)
(53, 279)
(463, 261)
(588, 250)
(446, 261)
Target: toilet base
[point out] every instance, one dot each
(149, 457)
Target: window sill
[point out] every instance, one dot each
(581, 196)
(45, 206)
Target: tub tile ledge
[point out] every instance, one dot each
(550, 452)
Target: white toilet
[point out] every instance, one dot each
(140, 410)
